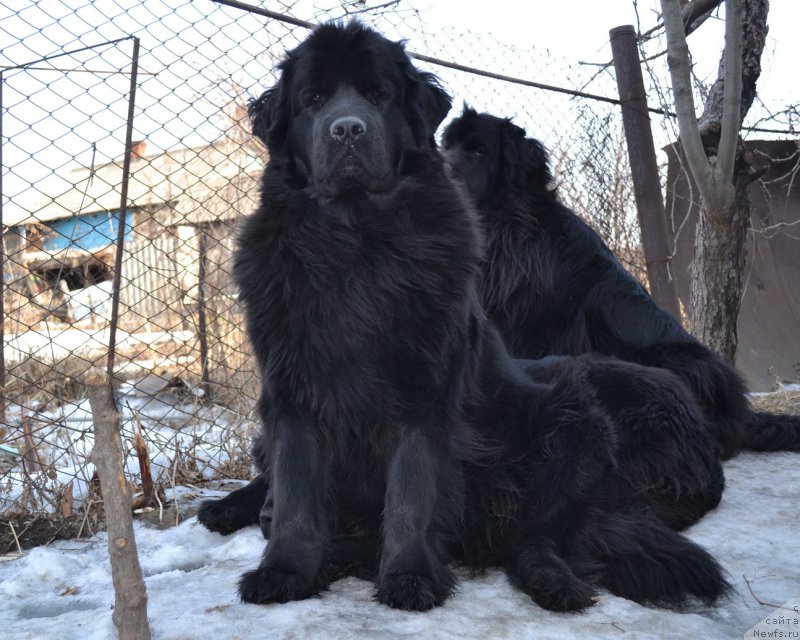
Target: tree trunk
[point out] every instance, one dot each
(716, 292)
(720, 242)
(130, 603)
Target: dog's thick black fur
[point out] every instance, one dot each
(398, 433)
(552, 286)
(667, 460)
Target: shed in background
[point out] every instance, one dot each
(769, 319)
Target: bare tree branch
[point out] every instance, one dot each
(695, 13)
(754, 34)
(714, 176)
(678, 61)
(351, 12)
(732, 99)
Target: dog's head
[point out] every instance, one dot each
(348, 105)
(491, 155)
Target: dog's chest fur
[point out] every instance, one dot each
(354, 301)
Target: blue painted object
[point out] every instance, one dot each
(89, 232)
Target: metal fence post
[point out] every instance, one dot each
(123, 210)
(644, 169)
(2, 274)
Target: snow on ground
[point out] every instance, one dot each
(64, 591)
(48, 344)
(791, 387)
(174, 423)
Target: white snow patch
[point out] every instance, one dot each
(191, 578)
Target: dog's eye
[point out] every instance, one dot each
(478, 150)
(314, 99)
(376, 93)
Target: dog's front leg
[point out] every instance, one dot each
(411, 576)
(291, 564)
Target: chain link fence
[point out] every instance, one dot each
(73, 217)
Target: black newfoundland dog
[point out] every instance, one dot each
(398, 434)
(551, 285)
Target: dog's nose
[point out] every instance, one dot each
(348, 128)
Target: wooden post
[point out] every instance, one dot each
(202, 320)
(130, 609)
(30, 458)
(644, 169)
(148, 488)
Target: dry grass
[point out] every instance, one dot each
(781, 401)
(32, 383)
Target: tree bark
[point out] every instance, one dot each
(130, 609)
(719, 258)
(714, 153)
(696, 12)
(754, 36)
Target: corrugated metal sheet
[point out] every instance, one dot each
(150, 277)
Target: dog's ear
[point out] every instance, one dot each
(525, 160)
(427, 103)
(467, 111)
(270, 118)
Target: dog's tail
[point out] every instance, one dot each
(643, 560)
(772, 432)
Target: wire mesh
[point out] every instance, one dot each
(184, 376)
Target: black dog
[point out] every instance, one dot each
(668, 459)
(397, 431)
(552, 286)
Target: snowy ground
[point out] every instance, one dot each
(175, 424)
(64, 591)
(48, 344)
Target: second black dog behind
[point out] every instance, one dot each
(552, 286)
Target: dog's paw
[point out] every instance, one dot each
(221, 517)
(549, 582)
(567, 595)
(412, 592)
(266, 584)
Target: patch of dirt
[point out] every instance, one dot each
(33, 530)
(28, 531)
